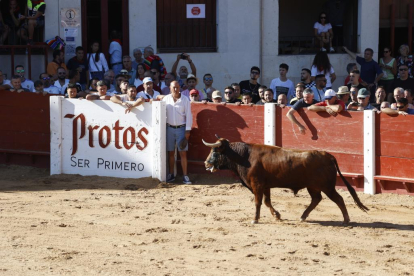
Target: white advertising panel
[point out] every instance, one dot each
(196, 10)
(98, 138)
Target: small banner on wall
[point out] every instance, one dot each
(196, 10)
(98, 138)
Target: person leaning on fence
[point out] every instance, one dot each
(39, 88)
(331, 104)
(216, 97)
(26, 83)
(299, 93)
(363, 101)
(261, 91)
(344, 95)
(379, 97)
(130, 96)
(16, 85)
(72, 92)
(402, 108)
(149, 92)
(247, 99)
(101, 94)
(305, 102)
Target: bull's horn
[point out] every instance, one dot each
(211, 145)
(218, 137)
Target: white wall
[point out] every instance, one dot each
(242, 43)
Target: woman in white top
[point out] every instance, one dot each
(322, 66)
(323, 32)
(97, 62)
(139, 75)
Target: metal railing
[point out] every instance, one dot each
(29, 50)
(304, 45)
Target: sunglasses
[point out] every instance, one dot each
(403, 69)
(208, 79)
(228, 93)
(19, 71)
(400, 106)
(323, 17)
(255, 73)
(45, 78)
(386, 51)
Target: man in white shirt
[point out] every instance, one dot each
(115, 50)
(62, 80)
(130, 96)
(45, 79)
(179, 123)
(26, 84)
(149, 92)
(283, 85)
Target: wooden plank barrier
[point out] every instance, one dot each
(24, 128)
(342, 136)
(395, 154)
(25, 137)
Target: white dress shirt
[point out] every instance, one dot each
(147, 96)
(179, 112)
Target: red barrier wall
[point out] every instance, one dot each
(24, 128)
(341, 136)
(25, 137)
(235, 123)
(395, 153)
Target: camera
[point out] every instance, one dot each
(183, 56)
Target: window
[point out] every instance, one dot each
(177, 33)
(296, 21)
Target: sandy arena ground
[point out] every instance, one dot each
(73, 225)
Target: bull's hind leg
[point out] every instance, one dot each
(269, 204)
(258, 197)
(337, 198)
(316, 198)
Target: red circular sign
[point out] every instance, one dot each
(195, 11)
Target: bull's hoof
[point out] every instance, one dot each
(302, 219)
(254, 222)
(345, 223)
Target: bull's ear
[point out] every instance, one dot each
(218, 137)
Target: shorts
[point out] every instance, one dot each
(40, 22)
(174, 136)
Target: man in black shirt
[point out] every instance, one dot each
(404, 82)
(229, 95)
(252, 86)
(81, 65)
(306, 101)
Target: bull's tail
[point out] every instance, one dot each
(350, 188)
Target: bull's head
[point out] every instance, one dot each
(214, 159)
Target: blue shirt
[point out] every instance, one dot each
(369, 70)
(410, 111)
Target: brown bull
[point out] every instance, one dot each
(262, 167)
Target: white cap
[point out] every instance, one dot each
(329, 94)
(147, 79)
